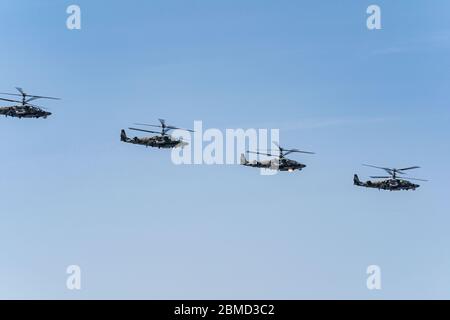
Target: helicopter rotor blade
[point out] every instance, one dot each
(31, 99)
(142, 130)
(21, 91)
(262, 153)
(297, 151)
(388, 170)
(148, 125)
(379, 177)
(409, 168)
(163, 122)
(176, 128)
(9, 100)
(11, 94)
(40, 97)
(167, 128)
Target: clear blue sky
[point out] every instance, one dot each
(140, 227)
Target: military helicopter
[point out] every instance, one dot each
(393, 183)
(25, 109)
(163, 140)
(280, 163)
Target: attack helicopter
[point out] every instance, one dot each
(162, 140)
(280, 163)
(392, 182)
(24, 109)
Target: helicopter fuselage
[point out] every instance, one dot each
(160, 142)
(278, 164)
(389, 184)
(24, 112)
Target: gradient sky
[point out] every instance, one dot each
(140, 227)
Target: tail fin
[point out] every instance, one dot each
(123, 136)
(356, 180)
(243, 160)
